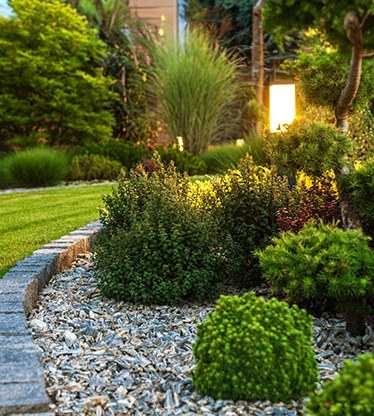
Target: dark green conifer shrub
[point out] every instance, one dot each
(90, 167)
(308, 146)
(321, 259)
(157, 248)
(245, 205)
(35, 167)
(351, 393)
(252, 349)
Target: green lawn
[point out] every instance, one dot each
(31, 219)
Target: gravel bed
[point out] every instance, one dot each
(103, 357)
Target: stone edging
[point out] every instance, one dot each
(22, 386)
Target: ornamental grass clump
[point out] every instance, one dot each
(199, 90)
(351, 393)
(323, 259)
(157, 247)
(252, 349)
(35, 167)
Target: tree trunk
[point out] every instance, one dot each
(258, 56)
(355, 317)
(354, 34)
(353, 29)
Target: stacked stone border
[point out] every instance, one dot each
(22, 385)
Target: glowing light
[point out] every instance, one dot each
(240, 142)
(161, 31)
(180, 143)
(282, 106)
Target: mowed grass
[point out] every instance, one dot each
(31, 219)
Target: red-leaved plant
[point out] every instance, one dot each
(319, 201)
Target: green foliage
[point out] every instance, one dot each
(322, 75)
(4, 180)
(250, 349)
(90, 167)
(221, 158)
(199, 91)
(282, 17)
(308, 146)
(35, 167)
(157, 248)
(128, 153)
(107, 16)
(131, 109)
(245, 204)
(51, 88)
(351, 393)
(184, 161)
(230, 23)
(361, 130)
(318, 201)
(361, 184)
(131, 154)
(320, 259)
(124, 63)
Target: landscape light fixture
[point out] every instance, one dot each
(282, 106)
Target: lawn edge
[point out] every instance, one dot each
(22, 383)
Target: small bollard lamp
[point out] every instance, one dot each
(282, 106)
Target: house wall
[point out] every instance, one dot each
(150, 11)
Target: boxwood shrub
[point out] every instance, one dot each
(252, 349)
(157, 247)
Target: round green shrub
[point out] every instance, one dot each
(252, 349)
(157, 248)
(90, 167)
(319, 259)
(308, 146)
(351, 393)
(36, 167)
